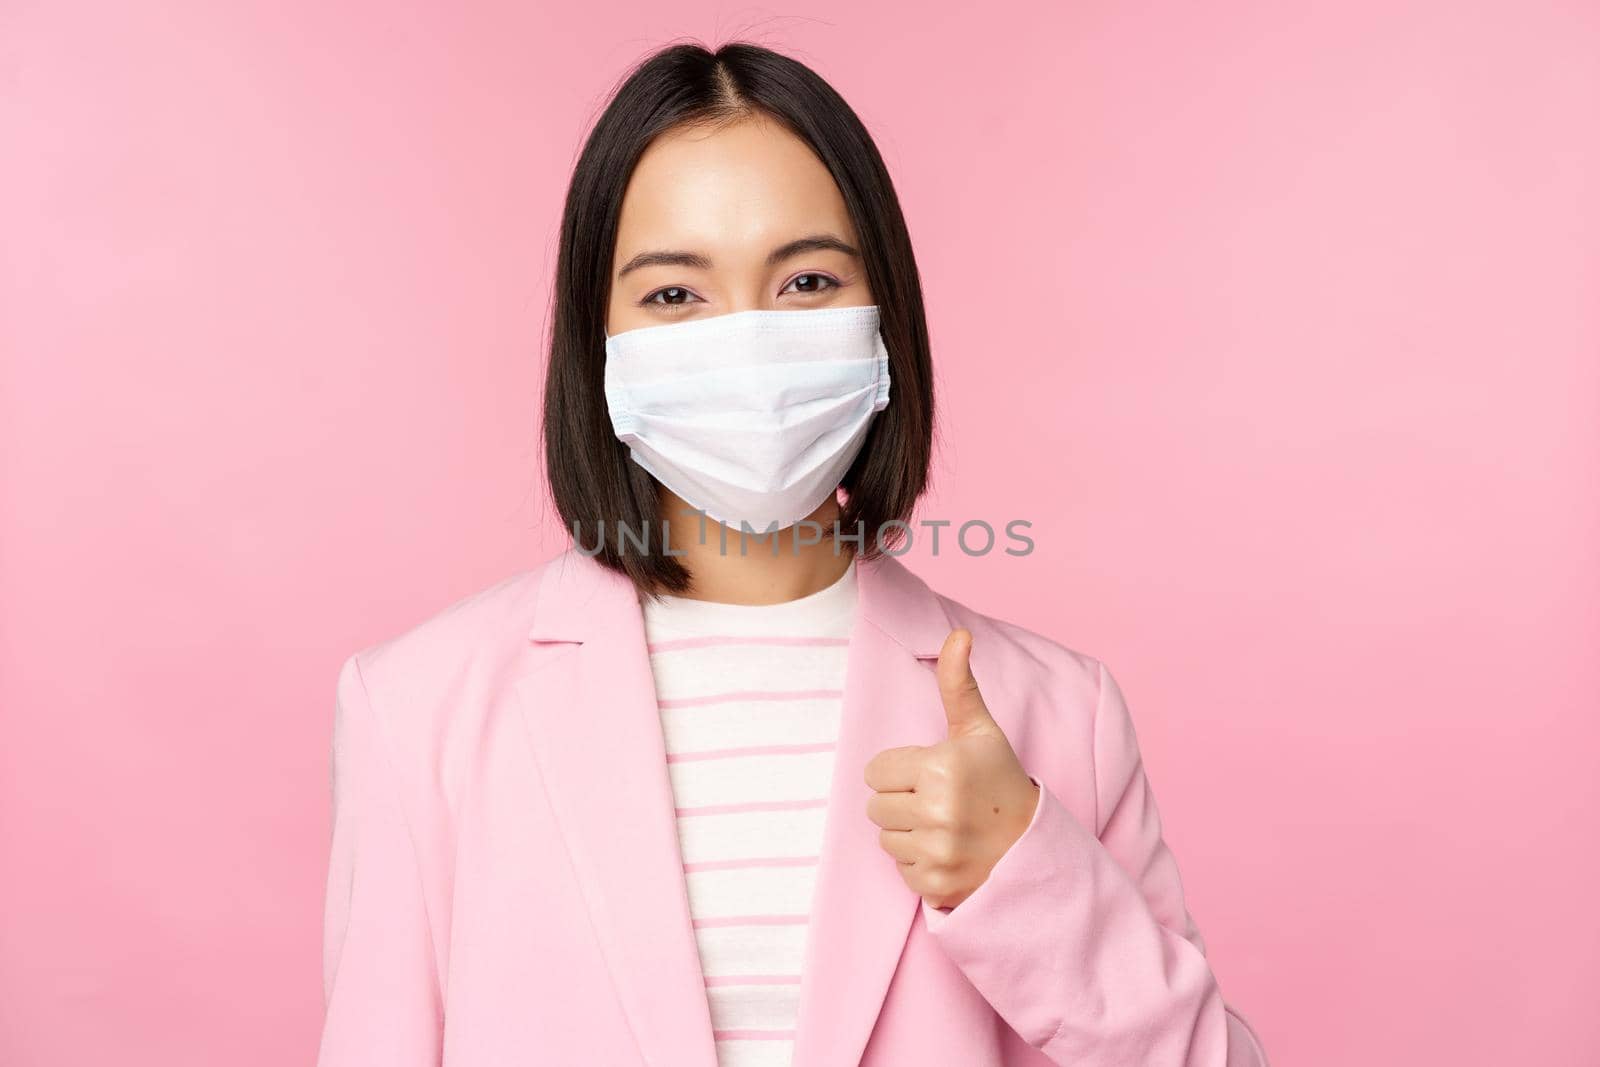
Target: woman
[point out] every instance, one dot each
(726, 783)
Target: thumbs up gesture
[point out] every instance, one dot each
(949, 811)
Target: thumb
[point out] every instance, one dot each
(963, 704)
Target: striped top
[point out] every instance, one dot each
(749, 699)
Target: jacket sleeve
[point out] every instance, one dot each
(380, 981)
(1081, 941)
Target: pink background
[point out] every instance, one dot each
(1278, 321)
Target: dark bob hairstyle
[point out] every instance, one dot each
(595, 484)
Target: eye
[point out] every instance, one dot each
(810, 282)
(671, 296)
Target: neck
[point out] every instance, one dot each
(732, 567)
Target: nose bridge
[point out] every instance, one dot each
(748, 281)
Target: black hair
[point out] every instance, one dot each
(595, 485)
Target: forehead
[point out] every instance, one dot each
(736, 188)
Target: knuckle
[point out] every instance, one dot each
(941, 813)
(950, 768)
(944, 849)
(937, 764)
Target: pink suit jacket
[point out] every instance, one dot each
(505, 883)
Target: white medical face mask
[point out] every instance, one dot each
(752, 416)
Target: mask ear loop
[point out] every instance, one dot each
(881, 399)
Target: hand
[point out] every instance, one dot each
(949, 811)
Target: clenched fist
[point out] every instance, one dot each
(949, 811)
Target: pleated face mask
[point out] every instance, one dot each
(754, 416)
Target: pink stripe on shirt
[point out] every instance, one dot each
(750, 805)
(749, 694)
(752, 861)
(753, 979)
(749, 920)
(751, 750)
(717, 640)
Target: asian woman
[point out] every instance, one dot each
(725, 782)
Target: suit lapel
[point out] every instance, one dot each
(594, 726)
(863, 910)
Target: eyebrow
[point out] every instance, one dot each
(816, 242)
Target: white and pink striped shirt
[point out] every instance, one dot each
(749, 698)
